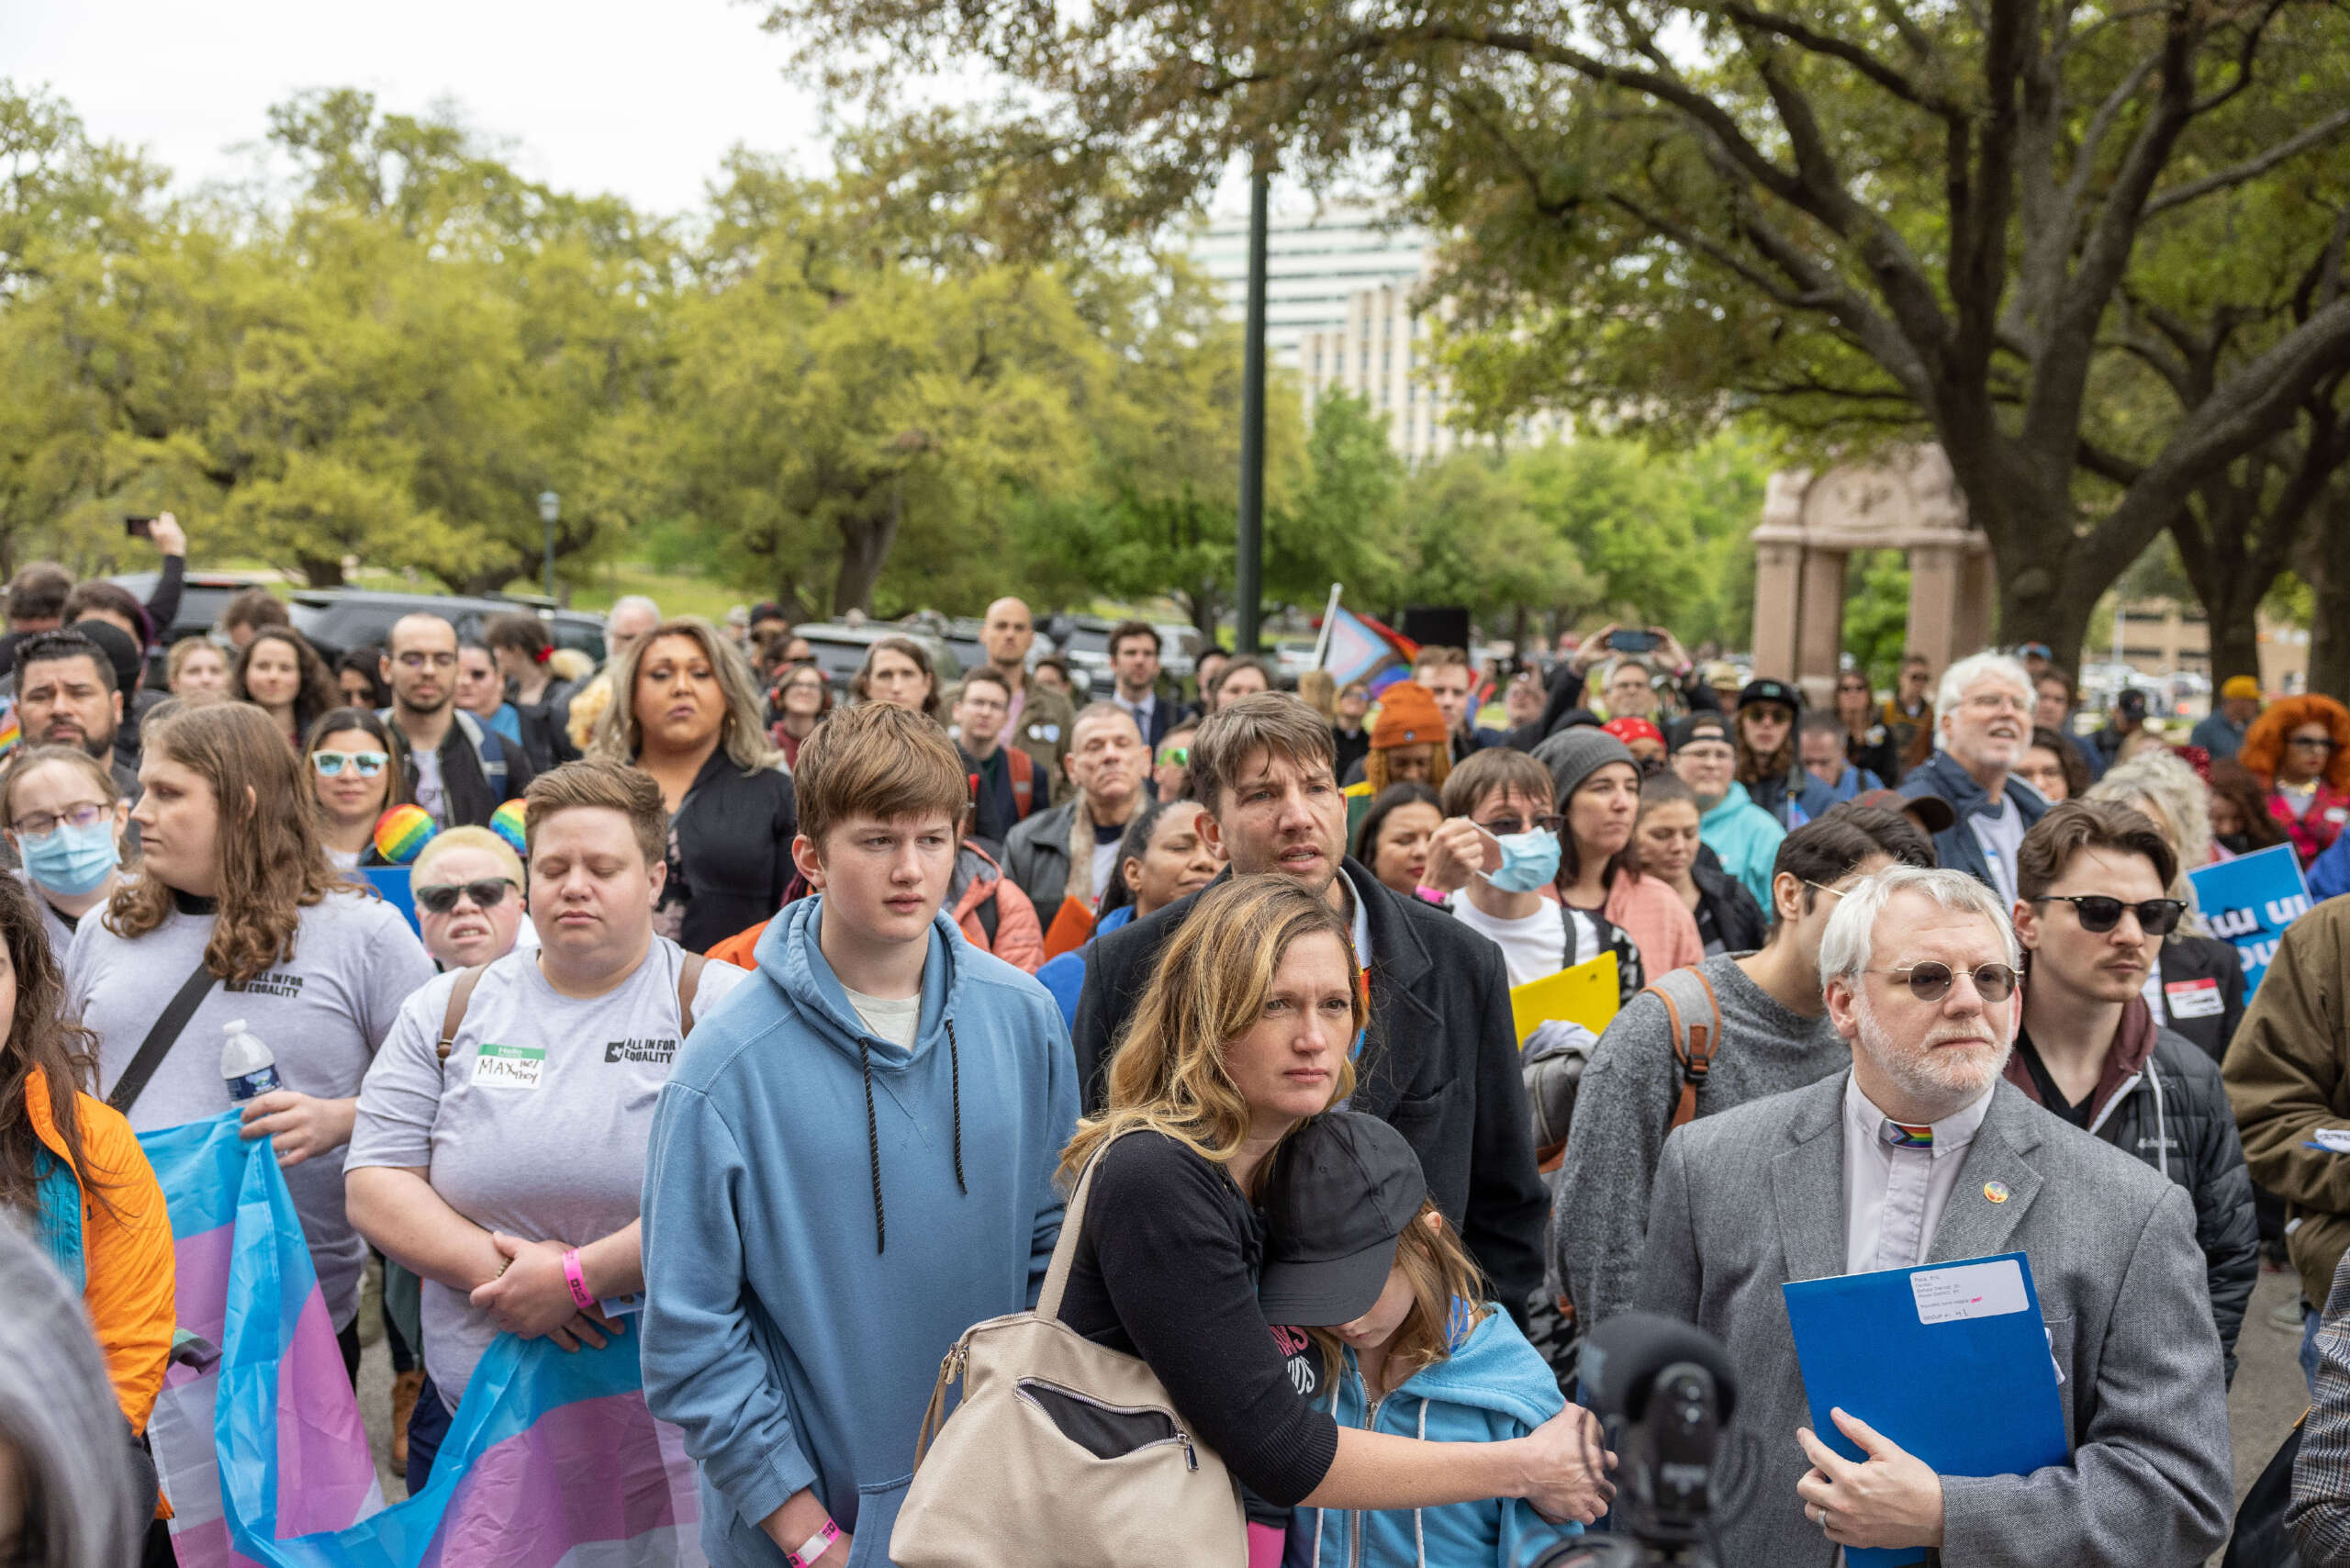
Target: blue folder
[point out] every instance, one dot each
(1951, 1361)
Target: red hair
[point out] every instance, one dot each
(2263, 744)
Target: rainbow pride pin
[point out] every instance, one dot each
(1996, 1191)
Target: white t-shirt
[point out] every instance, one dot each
(536, 1125)
(322, 1013)
(1534, 947)
(2000, 834)
(893, 1020)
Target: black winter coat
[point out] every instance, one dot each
(1736, 919)
(2175, 1116)
(1438, 1064)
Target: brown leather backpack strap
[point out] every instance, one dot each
(459, 995)
(689, 982)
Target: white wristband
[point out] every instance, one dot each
(816, 1545)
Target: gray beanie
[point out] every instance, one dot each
(1575, 755)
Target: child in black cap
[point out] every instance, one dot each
(1358, 1255)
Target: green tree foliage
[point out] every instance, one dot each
(1877, 612)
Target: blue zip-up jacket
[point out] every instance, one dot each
(1492, 1387)
(805, 1275)
(1745, 839)
(1956, 847)
(1065, 976)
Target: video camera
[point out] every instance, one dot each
(1664, 1392)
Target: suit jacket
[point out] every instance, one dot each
(1438, 1064)
(1752, 1198)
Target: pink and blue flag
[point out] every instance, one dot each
(553, 1460)
(1359, 648)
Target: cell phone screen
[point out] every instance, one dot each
(1633, 642)
(139, 527)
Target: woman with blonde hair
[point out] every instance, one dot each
(686, 712)
(1242, 1036)
(235, 886)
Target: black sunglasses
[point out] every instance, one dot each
(1932, 982)
(439, 897)
(1501, 827)
(2157, 917)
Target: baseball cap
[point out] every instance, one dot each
(1701, 725)
(2240, 686)
(1341, 1190)
(1766, 690)
(1930, 813)
(2036, 651)
(2132, 703)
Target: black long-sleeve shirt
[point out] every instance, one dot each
(1166, 1270)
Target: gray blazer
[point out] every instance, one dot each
(1753, 1197)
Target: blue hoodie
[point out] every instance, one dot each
(805, 1275)
(1065, 976)
(1494, 1387)
(1745, 838)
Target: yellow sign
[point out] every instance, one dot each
(1586, 994)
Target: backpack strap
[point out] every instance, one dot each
(989, 917)
(460, 996)
(1696, 1015)
(689, 969)
(489, 752)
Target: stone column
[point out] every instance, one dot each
(1934, 588)
(1820, 628)
(1978, 592)
(1778, 598)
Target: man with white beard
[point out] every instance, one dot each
(1922, 1153)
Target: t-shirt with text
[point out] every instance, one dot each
(537, 1124)
(322, 1011)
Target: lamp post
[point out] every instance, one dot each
(550, 508)
(1248, 574)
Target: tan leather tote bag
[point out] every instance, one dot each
(1063, 1453)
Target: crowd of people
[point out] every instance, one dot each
(674, 1046)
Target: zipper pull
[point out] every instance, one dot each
(1191, 1456)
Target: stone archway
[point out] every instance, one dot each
(1812, 523)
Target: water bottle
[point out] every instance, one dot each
(246, 1063)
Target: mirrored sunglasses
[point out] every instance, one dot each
(331, 764)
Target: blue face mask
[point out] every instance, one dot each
(71, 860)
(1529, 861)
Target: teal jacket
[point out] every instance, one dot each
(1493, 1386)
(1746, 839)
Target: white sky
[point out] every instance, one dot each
(638, 99)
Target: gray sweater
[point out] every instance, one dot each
(1600, 1217)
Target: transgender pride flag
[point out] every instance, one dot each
(552, 1460)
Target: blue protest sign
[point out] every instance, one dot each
(392, 881)
(2249, 901)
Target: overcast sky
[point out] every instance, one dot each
(590, 95)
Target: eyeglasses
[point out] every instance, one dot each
(40, 825)
(1174, 757)
(1501, 827)
(2157, 917)
(2314, 743)
(1999, 702)
(331, 764)
(439, 897)
(1932, 982)
(415, 660)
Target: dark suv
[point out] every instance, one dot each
(339, 620)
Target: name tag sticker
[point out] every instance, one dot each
(509, 1066)
(2192, 999)
(1971, 1290)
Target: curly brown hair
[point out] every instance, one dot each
(272, 865)
(40, 1039)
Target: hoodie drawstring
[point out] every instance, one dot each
(1420, 1535)
(873, 1148)
(955, 1082)
(2162, 1131)
(873, 1136)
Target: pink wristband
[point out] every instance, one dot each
(578, 1281)
(816, 1545)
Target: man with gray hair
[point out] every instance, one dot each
(631, 617)
(1986, 712)
(1922, 1153)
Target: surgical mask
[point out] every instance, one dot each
(71, 860)
(1529, 861)
(2235, 843)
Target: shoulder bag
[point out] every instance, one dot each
(1063, 1453)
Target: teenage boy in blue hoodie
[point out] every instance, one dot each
(852, 1164)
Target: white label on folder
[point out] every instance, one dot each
(1971, 1290)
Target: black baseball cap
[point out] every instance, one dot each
(2132, 703)
(1704, 725)
(1342, 1189)
(1778, 691)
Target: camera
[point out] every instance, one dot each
(1664, 1392)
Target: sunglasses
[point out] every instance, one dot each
(331, 764)
(2157, 917)
(1932, 982)
(439, 897)
(1501, 827)
(1174, 757)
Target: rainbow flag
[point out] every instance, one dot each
(1360, 648)
(11, 731)
(552, 1460)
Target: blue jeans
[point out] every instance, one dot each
(427, 1427)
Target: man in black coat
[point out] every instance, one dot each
(1439, 1061)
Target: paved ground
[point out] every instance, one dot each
(2267, 1398)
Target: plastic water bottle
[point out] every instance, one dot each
(246, 1063)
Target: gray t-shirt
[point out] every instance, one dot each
(322, 1013)
(1599, 1219)
(538, 1122)
(2000, 834)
